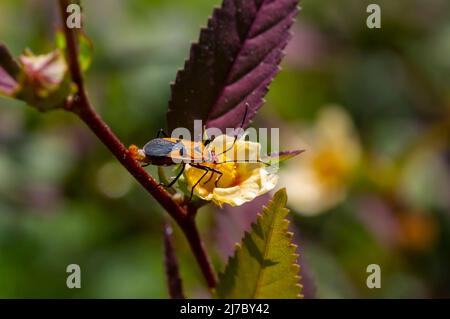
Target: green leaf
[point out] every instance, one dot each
(60, 40)
(86, 51)
(86, 48)
(265, 263)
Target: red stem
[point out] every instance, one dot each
(81, 106)
(104, 133)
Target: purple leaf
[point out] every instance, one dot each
(233, 64)
(170, 260)
(232, 222)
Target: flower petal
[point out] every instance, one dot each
(260, 182)
(227, 148)
(8, 85)
(46, 71)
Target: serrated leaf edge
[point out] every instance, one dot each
(295, 265)
(186, 67)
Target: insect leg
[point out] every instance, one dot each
(218, 179)
(212, 174)
(210, 178)
(175, 179)
(178, 176)
(162, 132)
(206, 169)
(262, 162)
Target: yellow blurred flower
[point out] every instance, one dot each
(319, 180)
(241, 182)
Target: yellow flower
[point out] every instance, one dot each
(243, 178)
(319, 180)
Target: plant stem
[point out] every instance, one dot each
(80, 105)
(104, 133)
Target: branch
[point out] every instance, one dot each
(80, 105)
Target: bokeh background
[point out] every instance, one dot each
(372, 108)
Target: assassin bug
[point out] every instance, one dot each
(167, 151)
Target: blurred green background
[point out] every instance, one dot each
(371, 106)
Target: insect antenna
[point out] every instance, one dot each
(162, 132)
(237, 135)
(235, 161)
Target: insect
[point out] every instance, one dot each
(167, 151)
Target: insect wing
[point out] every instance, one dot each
(159, 147)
